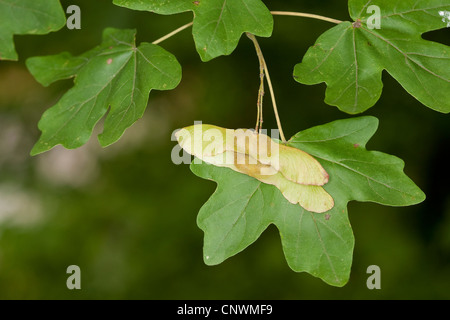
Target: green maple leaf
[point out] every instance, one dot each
(27, 17)
(351, 57)
(116, 74)
(318, 243)
(218, 24)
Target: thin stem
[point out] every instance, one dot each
(259, 119)
(269, 82)
(274, 103)
(167, 36)
(258, 112)
(304, 15)
(259, 104)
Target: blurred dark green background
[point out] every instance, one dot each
(127, 216)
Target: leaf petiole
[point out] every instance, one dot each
(169, 35)
(304, 15)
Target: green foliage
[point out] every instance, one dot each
(27, 17)
(116, 74)
(319, 243)
(115, 78)
(218, 24)
(350, 57)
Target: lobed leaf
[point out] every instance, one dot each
(218, 24)
(351, 57)
(321, 244)
(115, 78)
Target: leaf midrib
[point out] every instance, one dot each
(330, 139)
(364, 175)
(83, 103)
(243, 211)
(405, 54)
(324, 248)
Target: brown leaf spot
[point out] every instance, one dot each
(109, 61)
(356, 145)
(327, 217)
(196, 2)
